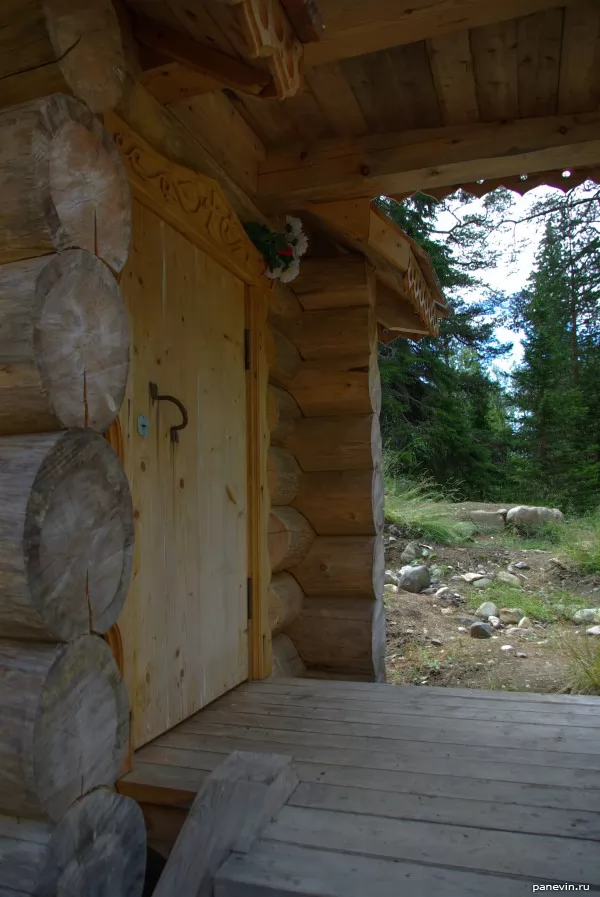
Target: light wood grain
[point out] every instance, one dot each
(235, 801)
(98, 847)
(283, 476)
(184, 626)
(338, 386)
(283, 358)
(62, 183)
(342, 502)
(339, 282)
(329, 333)
(290, 536)
(64, 344)
(65, 724)
(452, 69)
(352, 442)
(283, 414)
(579, 89)
(343, 566)
(66, 535)
(285, 601)
(57, 47)
(539, 40)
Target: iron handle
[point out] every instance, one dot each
(156, 397)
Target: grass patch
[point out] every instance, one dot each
(580, 544)
(584, 664)
(543, 606)
(421, 510)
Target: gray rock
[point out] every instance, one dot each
(483, 583)
(472, 577)
(520, 654)
(393, 529)
(494, 621)
(391, 578)
(411, 552)
(487, 520)
(593, 630)
(509, 579)
(486, 610)
(526, 515)
(462, 629)
(465, 621)
(514, 630)
(510, 615)
(519, 565)
(437, 642)
(392, 540)
(430, 590)
(414, 579)
(480, 630)
(525, 623)
(443, 592)
(587, 616)
(506, 648)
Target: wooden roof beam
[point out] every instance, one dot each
(402, 163)
(395, 312)
(358, 28)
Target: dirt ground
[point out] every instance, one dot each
(425, 646)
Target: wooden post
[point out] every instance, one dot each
(61, 46)
(64, 344)
(66, 535)
(62, 183)
(98, 847)
(65, 722)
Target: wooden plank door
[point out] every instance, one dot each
(184, 628)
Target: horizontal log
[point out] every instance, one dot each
(65, 724)
(333, 333)
(290, 536)
(66, 535)
(283, 414)
(336, 443)
(283, 476)
(64, 344)
(285, 601)
(340, 282)
(286, 660)
(62, 183)
(341, 635)
(342, 502)
(283, 358)
(98, 847)
(352, 387)
(343, 567)
(49, 46)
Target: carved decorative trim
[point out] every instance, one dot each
(418, 292)
(192, 204)
(269, 35)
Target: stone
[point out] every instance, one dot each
(587, 616)
(525, 623)
(518, 565)
(510, 615)
(527, 515)
(391, 578)
(465, 621)
(494, 621)
(480, 630)
(593, 630)
(392, 540)
(393, 529)
(444, 591)
(483, 583)
(514, 630)
(414, 579)
(471, 577)
(428, 591)
(411, 552)
(487, 520)
(437, 642)
(506, 648)
(447, 611)
(487, 609)
(509, 579)
(462, 629)
(522, 655)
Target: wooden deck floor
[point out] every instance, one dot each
(403, 791)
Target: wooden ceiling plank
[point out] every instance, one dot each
(267, 118)
(539, 39)
(306, 19)
(179, 47)
(354, 27)
(452, 69)
(396, 314)
(410, 71)
(173, 81)
(494, 49)
(392, 164)
(334, 95)
(307, 117)
(579, 86)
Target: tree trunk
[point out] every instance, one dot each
(342, 502)
(343, 566)
(65, 724)
(336, 443)
(282, 414)
(61, 46)
(98, 849)
(66, 535)
(64, 344)
(285, 601)
(62, 183)
(290, 536)
(283, 476)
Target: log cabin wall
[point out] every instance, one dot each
(66, 525)
(326, 596)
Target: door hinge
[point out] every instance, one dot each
(246, 350)
(250, 597)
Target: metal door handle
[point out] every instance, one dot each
(156, 397)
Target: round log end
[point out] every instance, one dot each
(81, 340)
(290, 537)
(285, 601)
(283, 476)
(86, 38)
(78, 535)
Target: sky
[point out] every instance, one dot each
(519, 246)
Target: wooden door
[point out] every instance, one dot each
(184, 628)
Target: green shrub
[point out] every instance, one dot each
(584, 667)
(580, 543)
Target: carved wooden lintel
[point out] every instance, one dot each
(191, 203)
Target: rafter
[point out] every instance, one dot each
(402, 163)
(355, 28)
